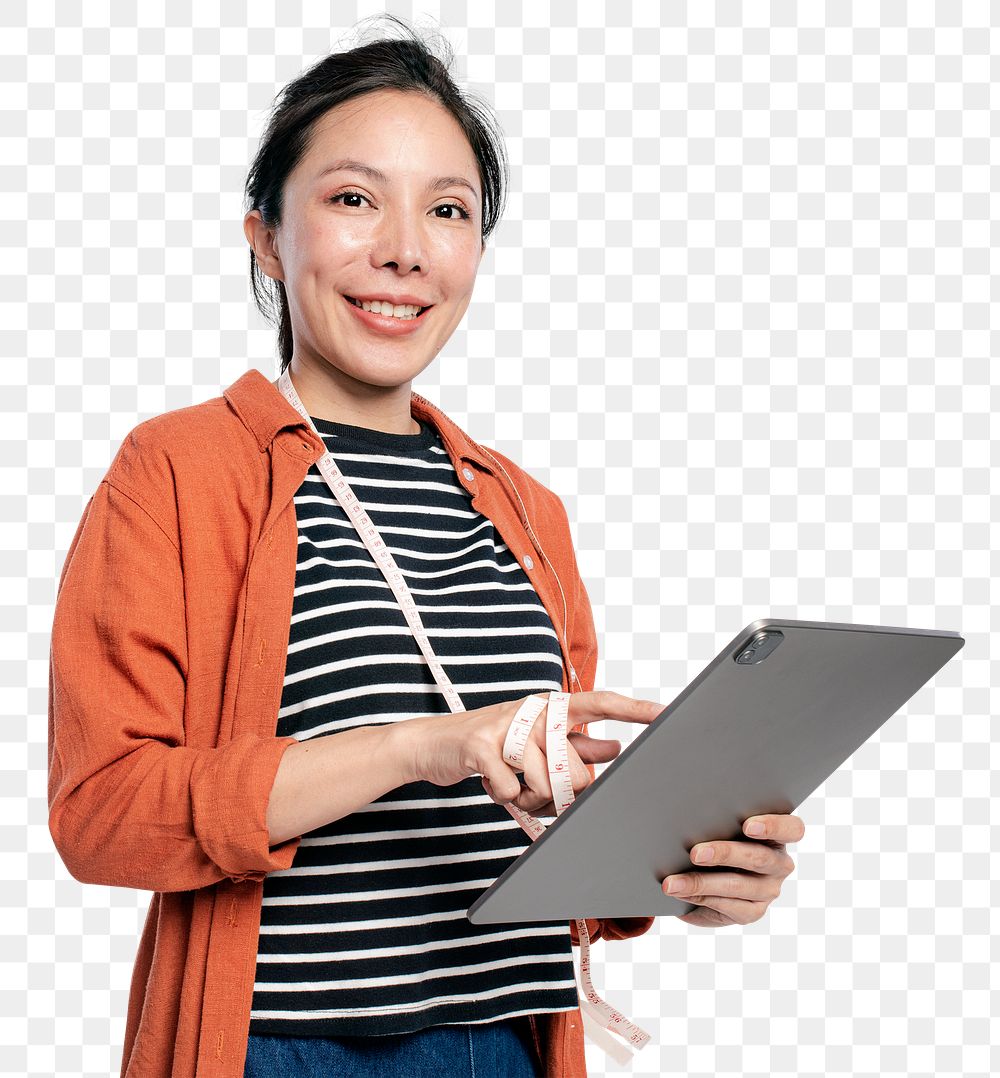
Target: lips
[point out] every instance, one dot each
(388, 325)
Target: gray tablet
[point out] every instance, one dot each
(774, 714)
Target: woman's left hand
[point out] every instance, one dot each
(740, 897)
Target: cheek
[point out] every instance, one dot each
(332, 245)
(465, 266)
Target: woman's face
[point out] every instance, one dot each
(413, 231)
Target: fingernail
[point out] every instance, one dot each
(755, 828)
(704, 854)
(676, 883)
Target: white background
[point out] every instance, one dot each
(738, 315)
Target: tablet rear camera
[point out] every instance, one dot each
(759, 647)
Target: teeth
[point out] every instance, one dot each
(378, 306)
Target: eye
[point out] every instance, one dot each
(347, 194)
(465, 215)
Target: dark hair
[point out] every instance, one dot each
(387, 63)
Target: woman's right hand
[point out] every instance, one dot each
(445, 749)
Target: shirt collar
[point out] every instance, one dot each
(264, 411)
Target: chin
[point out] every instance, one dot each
(384, 375)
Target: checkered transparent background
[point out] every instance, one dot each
(737, 315)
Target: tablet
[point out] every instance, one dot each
(774, 714)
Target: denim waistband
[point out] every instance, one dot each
(503, 1049)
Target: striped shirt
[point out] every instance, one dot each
(366, 933)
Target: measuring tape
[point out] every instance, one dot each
(556, 720)
(557, 758)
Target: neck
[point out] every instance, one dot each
(385, 409)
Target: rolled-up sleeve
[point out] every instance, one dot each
(130, 803)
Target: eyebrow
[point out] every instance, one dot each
(378, 176)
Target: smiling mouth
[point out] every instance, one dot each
(407, 313)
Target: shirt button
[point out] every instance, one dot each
(467, 472)
(528, 563)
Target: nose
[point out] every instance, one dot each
(399, 241)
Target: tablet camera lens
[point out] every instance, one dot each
(757, 649)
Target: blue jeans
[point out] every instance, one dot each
(503, 1049)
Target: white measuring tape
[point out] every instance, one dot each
(602, 1015)
(557, 758)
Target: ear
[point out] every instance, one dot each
(263, 241)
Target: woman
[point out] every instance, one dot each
(242, 717)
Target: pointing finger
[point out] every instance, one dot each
(605, 704)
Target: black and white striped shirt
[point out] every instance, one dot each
(366, 933)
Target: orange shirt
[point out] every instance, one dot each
(166, 666)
